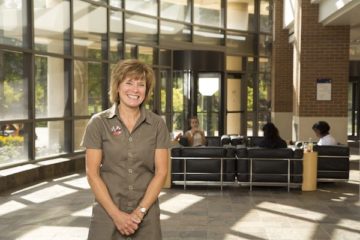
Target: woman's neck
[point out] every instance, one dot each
(129, 114)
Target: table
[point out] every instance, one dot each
(309, 171)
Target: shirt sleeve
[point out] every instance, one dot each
(163, 136)
(92, 137)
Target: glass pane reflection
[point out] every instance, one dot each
(13, 24)
(208, 13)
(175, 31)
(87, 88)
(89, 30)
(79, 126)
(50, 138)
(116, 35)
(142, 6)
(13, 86)
(208, 36)
(240, 15)
(14, 142)
(179, 10)
(141, 29)
(51, 87)
(52, 26)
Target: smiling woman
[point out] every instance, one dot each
(126, 158)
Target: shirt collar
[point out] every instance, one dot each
(144, 114)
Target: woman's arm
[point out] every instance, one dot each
(123, 221)
(189, 137)
(154, 188)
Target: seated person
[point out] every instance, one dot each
(272, 138)
(321, 130)
(195, 136)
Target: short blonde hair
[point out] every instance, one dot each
(130, 68)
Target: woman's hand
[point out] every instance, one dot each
(126, 223)
(137, 215)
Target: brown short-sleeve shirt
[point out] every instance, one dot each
(128, 165)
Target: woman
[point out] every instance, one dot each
(195, 136)
(126, 158)
(272, 138)
(321, 130)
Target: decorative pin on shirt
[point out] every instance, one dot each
(116, 130)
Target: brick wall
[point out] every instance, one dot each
(324, 54)
(282, 64)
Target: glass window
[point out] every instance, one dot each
(164, 80)
(233, 123)
(165, 57)
(90, 27)
(264, 65)
(87, 88)
(240, 15)
(240, 42)
(180, 95)
(179, 10)
(13, 86)
(14, 142)
(265, 16)
(150, 101)
(264, 91)
(13, 23)
(130, 51)
(51, 87)
(49, 138)
(147, 55)
(208, 102)
(175, 31)
(233, 94)
(250, 124)
(265, 43)
(52, 26)
(116, 35)
(250, 93)
(141, 29)
(234, 63)
(142, 6)
(79, 126)
(116, 3)
(208, 13)
(208, 36)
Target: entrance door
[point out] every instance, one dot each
(353, 109)
(208, 102)
(199, 96)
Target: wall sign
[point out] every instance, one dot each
(323, 89)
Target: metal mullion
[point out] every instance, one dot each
(70, 65)
(29, 71)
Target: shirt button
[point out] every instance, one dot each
(130, 204)
(130, 171)
(131, 187)
(130, 139)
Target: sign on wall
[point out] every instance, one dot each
(323, 89)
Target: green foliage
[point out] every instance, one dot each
(41, 84)
(178, 100)
(13, 82)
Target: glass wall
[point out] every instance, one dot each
(60, 53)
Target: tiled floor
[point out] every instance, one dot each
(60, 209)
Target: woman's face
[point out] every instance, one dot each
(194, 123)
(132, 91)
